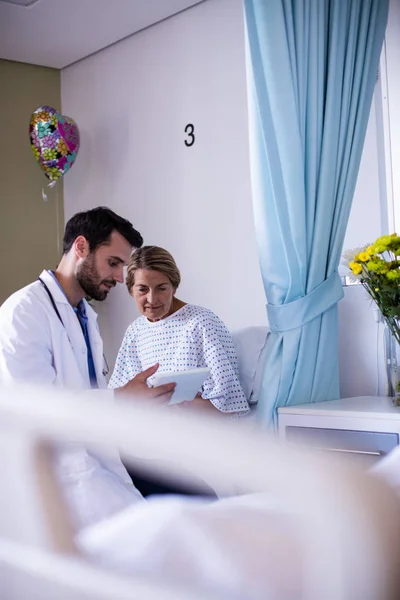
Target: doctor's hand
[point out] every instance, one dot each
(138, 388)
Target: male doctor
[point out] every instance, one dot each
(49, 335)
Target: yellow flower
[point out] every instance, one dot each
(364, 256)
(377, 265)
(384, 239)
(355, 268)
(395, 244)
(370, 250)
(393, 275)
(382, 243)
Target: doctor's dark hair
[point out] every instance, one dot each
(153, 258)
(96, 226)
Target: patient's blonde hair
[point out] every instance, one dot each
(153, 258)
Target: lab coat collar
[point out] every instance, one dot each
(56, 292)
(60, 297)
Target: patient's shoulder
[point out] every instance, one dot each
(204, 317)
(135, 327)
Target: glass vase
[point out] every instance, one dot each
(393, 366)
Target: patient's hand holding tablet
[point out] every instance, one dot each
(188, 383)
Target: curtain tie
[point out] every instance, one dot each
(295, 314)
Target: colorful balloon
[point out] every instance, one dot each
(54, 141)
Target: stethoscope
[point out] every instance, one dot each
(106, 369)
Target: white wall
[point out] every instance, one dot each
(392, 131)
(132, 102)
(361, 361)
(362, 367)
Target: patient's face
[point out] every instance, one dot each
(153, 293)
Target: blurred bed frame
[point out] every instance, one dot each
(352, 546)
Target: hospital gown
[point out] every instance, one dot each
(191, 337)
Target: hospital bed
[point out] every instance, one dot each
(251, 344)
(349, 523)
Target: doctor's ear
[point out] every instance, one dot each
(81, 247)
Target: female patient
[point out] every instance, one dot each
(177, 335)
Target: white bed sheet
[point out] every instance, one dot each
(247, 547)
(243, 547)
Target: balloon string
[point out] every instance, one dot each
(58, 226)
(45, 198)
(50, 185)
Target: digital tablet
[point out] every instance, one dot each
(188, 383)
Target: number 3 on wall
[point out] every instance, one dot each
(189, 129)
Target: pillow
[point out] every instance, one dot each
(250, 343)
(259, 372)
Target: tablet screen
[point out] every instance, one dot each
(188, 383)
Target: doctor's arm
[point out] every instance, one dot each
(26, 355)
(138, 388)
(25, 348)
(128, 379)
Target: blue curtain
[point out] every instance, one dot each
(312, 70)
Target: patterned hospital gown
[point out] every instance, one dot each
(191, 337)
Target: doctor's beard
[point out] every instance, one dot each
(89, 279)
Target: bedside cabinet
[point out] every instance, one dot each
(363, 429)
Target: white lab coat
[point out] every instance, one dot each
(36, 347)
